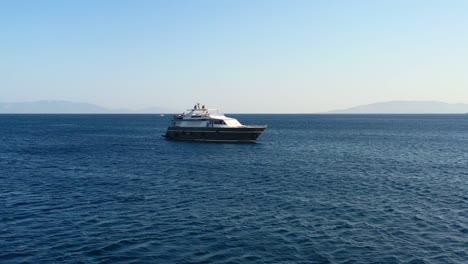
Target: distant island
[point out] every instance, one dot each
(67, 107)
(406, 107)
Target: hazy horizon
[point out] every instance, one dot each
(239, 56)
(390, 107)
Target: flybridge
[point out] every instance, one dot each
(199, 111)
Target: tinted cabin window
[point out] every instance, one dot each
(219, 122)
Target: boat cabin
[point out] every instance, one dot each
(200, 116)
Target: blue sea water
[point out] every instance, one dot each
(314, 189)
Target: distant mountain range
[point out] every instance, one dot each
(392, 107)
(406, 107)
(67, 107)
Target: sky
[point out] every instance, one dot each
(242, 56)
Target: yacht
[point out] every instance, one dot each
(203, 124)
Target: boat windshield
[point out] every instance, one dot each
(232, 122)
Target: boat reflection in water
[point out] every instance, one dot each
(202, 124)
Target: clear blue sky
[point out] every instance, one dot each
(241, 56)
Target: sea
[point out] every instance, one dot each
(313, 189)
